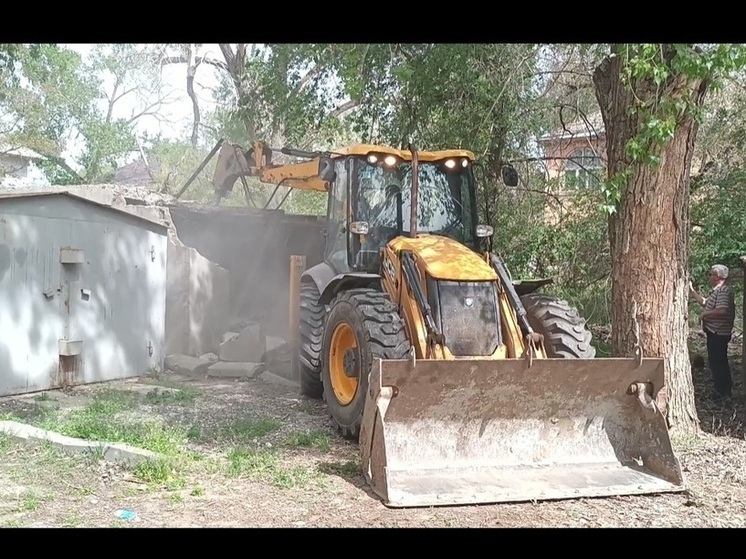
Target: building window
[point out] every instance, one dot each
(583, 170)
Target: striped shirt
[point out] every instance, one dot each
(721, 297)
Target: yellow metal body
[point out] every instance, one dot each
(405, 155)
(445, 259)
(232, 163)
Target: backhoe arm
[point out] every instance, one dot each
(234, 162)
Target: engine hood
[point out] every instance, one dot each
(446, 259)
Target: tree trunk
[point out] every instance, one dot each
(191, 72)
(649, 237)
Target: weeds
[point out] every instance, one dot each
(311, 439)
(346, 468)
(249, 429)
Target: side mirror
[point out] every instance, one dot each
(509, 175)
(326, 169)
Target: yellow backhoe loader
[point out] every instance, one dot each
(461, 385)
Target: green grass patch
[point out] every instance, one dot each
(194, 433)
(287, 478)
(251, 463)
(311, 439)
(247, 430)
(99, 421)
(346, 468)
(151, 435)
(158, 471)
(29, 502)
(265, 465)
(111, 401)
(32, 414)
(72, 520)
(6, 443)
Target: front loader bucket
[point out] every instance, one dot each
(474, 431)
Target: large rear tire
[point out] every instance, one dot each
(564, 330)
(362, 325)
(311, 326)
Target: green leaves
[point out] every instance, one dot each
(654, 75)
(719, 215)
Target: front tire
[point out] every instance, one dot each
(362, 325)
(564, 330)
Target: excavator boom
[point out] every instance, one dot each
(234, 163)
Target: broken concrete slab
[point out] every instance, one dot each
(186, 365)
(112, 452)
(229, 336)
(267, 376)
(273, 342)
(235, 369)
(248, 346)
(211, 357)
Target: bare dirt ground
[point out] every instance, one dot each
(255, 454)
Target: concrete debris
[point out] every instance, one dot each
(229, 336)
(273, 342)
(234, 369)
(211, 357)
(248, 346)
(278, 359)
(119, 195)
(186, 365)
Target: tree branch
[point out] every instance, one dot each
(305, 80)
(197, 60)
(343, 108)
(62, 163)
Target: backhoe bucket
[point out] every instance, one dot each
(473, 431)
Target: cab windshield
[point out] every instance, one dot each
(445, 199)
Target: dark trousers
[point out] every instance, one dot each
(717, 357)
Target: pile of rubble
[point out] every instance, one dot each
(245, 353)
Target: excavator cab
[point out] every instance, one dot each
(370, 204)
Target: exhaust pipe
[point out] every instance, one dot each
(414, 194)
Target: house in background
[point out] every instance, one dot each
(137, 173)
(19, 167)
(576, 155)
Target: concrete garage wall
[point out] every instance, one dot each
(255, 248)
(82, 293)
(196, 302)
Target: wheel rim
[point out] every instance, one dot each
(343, 344)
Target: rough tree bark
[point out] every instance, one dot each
(649, 235)
(191, 72)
